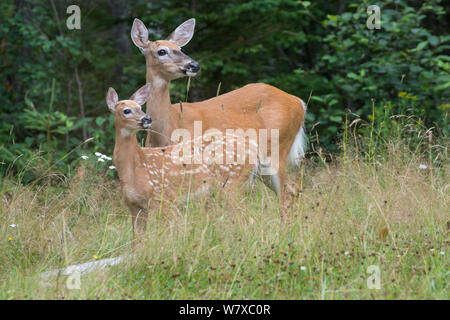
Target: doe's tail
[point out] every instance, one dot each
(299, 145)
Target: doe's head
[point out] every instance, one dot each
(165, 56)
(128, 113)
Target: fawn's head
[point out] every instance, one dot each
(165, 56)
(128, 113)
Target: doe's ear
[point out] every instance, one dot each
(112, 99)
(139, 34)
(183, 34)
(141, 96)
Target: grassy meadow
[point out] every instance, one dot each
(386, 205)
(375, 188)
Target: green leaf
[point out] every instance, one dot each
(306, 4)
(336, 118)
(99, 121)
(433, 40)
(421, 46)
(352, 75)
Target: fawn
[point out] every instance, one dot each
(157, 175)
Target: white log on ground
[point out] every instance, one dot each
(84, 267)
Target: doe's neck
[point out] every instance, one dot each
(159, 108)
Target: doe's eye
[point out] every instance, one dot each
(162, 52)
(127, 111)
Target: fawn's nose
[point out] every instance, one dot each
(193, 66)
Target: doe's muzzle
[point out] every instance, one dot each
(146, 121)
(194, 66)
(191, 68)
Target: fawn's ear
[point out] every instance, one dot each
(139, 34)
(141, 96)
(112, 99)
(183, 34)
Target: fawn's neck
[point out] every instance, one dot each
(159, 108)
(128, 155)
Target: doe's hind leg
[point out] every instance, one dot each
(283, 187)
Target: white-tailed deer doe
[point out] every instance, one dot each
(255, 106)
(157, 176)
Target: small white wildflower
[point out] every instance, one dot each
(104, 156)
(432, 249)
(98, 154)
(303, 268)
(101, 160)
(422, 166)
(84, 157)
(355, 237)
(346, 252)
(13, 225)
(442, 253)
(111, 167)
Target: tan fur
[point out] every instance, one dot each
(149, 177)
(256, 106)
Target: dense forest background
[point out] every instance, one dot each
(53, 80)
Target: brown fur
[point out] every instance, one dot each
(149, 177)
(257, 105)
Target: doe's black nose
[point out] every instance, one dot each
(147, 119)
(194, 66)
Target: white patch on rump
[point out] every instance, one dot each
(298, 147)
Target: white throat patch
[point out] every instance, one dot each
(125, 132)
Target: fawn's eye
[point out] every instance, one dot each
(127, 111)
(162, 52)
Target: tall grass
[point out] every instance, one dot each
(371, 205)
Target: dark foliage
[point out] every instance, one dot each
(53, 80)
